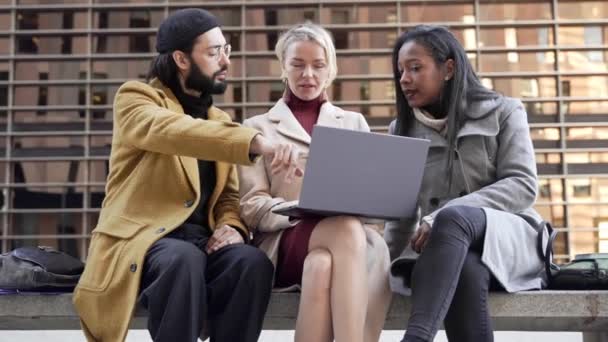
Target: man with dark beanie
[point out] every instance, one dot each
(169, 234)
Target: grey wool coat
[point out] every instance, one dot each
(493, 169)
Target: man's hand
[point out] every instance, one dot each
(284, 156)
(223, 237)
(420, 237)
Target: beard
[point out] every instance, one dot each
(198, 81)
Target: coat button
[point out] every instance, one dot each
(133, 267)
(188, 203)
(434, 201)
(160, 230)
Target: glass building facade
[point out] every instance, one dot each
(61, 62)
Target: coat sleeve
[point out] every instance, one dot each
(397, 233)
(516, 185)
(256, 201)
(144, 123)
(226, 209)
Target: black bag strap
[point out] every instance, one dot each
(546, 254)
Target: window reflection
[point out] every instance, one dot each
(437, 12)
(55, 95)
(509, 11)
(346, 14)
(513, 37)
(582, 35)
(364, 65)
(517, 61)
(65, 44)
(103, 18)
(579, 9)
(50, 2)
(55, 70)
(549, 163)
(584, 61)
(4, 46)
(96, 196)
(47, 120)
(265, 92)
(43, 146)
(51, 20)
(545, 137)
(228, 16)
(273, 16)
(587, 110)
(590, 86)
(126, 1)
(587, 163)
(99, 145)
(587, 137)
(5, 21)
(134, 43)
(526, 87)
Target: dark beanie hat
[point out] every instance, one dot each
(182, 27)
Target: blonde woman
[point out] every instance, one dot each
(339, 263)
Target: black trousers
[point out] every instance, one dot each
(449, 281)
(182, 287)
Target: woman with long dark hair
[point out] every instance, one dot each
(477, 229)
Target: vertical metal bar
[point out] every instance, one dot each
(562, 128)
(9, 119)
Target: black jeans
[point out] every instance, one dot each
(449, 281)
(182, 286)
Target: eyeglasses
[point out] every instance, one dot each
(216, 51)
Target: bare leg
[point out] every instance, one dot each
(314, 314)
(344, 237)
(379, 291)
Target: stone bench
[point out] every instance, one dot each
(583, 311)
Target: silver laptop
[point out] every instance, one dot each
(361, 174)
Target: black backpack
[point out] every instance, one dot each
(585, 272)
(31, 268)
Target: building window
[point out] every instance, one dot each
(271, 19)
(139, 42)
(593, 36)
(43, 93)
(27, 21)
(102, 40)
(66, 40)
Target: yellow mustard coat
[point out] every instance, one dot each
(153, 186)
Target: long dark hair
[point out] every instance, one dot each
(164, 68)
(462, 88)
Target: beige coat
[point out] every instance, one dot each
(153, 186)
(261, 190)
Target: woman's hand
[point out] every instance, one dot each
(420, 237)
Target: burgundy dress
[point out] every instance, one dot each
(293, 247)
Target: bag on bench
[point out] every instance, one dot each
(585, 272)
(31, 268)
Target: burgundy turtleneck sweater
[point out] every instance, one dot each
(306, 112)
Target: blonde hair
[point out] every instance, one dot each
(308, 32)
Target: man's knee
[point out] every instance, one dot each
(178, 255)
(253, 262)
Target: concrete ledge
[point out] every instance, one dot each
(585, 311)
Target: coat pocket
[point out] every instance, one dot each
(107, 244)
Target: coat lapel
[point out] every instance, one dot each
(288, 125)
(190, 165)
(331, 116)
(286, 122)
